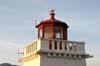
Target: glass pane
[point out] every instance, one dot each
(58, 35)
(41, 33)
(58, 32)
(48, 32)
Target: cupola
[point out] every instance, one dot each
(52, 28)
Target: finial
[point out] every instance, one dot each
(52, 10)
(52, 14)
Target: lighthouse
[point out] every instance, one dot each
(52, 47)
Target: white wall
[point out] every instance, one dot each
(33, 62)
(49, 61)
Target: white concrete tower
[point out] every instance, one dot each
(52, 47)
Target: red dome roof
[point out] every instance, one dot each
(53, 21)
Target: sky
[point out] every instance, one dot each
(17, 24)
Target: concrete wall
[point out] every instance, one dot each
(49, 61)
(33, 62)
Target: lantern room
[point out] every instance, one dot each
(52, 28)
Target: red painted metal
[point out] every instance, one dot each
(50, 44)
(52, 22)
(55, 45)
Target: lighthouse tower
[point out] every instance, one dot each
(52, 47)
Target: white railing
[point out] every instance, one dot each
(62, 46)
(54, 45)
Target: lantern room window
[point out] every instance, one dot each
(48, 32)
(58, 33)
(41, 33)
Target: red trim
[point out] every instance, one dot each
(40, 27)
(66, 34)
(55, 45)
(50, 44)
(43, 32)
(55, 22)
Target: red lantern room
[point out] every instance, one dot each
(52, 28)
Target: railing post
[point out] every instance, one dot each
(68, 47)
(63, 46)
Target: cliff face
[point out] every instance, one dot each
(7, 64)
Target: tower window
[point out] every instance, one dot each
(41, 33)
(58, 35)
(48, 32)
(58, 32)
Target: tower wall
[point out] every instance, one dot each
(48, 61)
(32, 62)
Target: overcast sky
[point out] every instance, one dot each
(17, 19)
